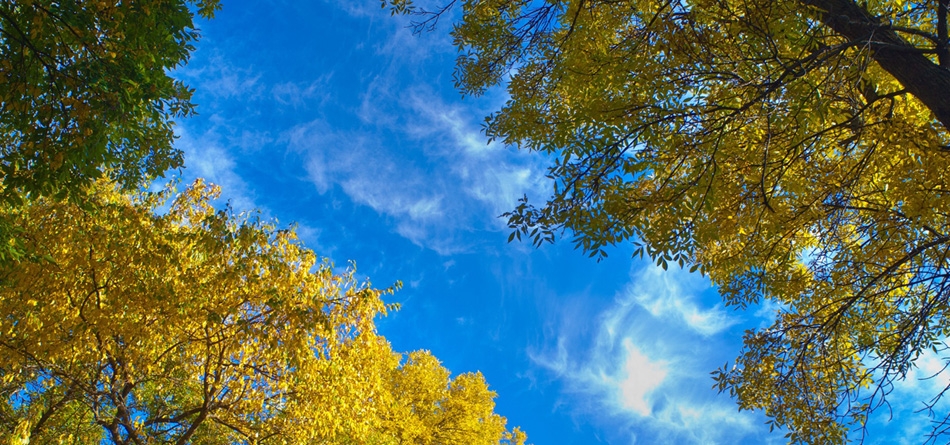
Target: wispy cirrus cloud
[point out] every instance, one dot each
(918, 404)
(391, 185)
(298, 95)
(221, 79)
(670, 295)
(435, 176)
(404, 149)
(491, 174)
(207, 157)
(645, 363)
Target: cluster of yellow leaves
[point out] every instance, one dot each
(139, 322)
(749, 140)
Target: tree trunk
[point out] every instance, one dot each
(927, 81)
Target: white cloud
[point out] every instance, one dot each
(299, 94)
(685, 420)
(908, 400)
(365, 171)
(639, 378)
(223, 80)
(929, 376)
(420, 202)
(205, 157)
(420, 162)
(623, 382)
(670, 294)
(432, 177)
(490, 173)
(637, 367)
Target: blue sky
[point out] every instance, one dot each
(331, 115)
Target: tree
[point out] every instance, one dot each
(191, 325)
(85, 91)
(795, 152)
(430, 408)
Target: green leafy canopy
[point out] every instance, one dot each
(85, 91)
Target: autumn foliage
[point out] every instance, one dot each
(137, 322)
(138, 318)
(794, 152)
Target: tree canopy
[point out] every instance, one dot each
(795, 152)
(193, 325)
(85, 91)
(137, 318)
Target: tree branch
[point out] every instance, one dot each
(926, 80)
